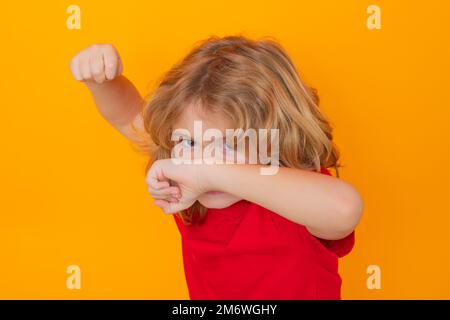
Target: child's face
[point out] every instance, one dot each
(188, 145)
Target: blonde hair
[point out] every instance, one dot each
(256, 85)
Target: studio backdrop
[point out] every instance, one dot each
(74, 201)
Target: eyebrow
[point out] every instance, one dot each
(178, 135)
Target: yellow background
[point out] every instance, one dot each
(72, 189)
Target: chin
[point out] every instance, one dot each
(215, 200)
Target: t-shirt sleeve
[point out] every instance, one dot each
(340, 247)
(178, 222)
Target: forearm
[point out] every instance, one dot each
(118, 101)
(328, 206)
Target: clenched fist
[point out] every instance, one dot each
(99, 63)
(189, 179)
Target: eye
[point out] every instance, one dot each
(187, 143)
(227, 147)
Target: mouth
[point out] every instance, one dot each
(214, 192)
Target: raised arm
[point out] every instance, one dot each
(117, 99)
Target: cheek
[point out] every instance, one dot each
(242, 158)
(247, 153)
(185, 153)
(236, 157)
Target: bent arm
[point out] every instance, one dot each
(327, 206)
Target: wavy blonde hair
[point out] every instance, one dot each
(256, 85)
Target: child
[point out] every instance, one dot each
(245, 235)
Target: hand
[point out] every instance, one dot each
(98, 63)
(188, 179)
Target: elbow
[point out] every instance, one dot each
(348, 211)
(351, 209)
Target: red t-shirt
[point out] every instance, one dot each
(246, 252)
